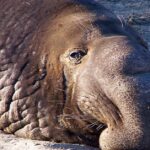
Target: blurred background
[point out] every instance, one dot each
(135, 12)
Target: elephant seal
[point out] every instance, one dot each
(71, 71)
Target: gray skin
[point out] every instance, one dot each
(70, 71)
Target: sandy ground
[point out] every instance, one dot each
(10, 142)
(137, 13)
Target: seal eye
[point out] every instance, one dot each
(77, 55)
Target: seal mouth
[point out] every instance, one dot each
(93, 138)
(88, 134)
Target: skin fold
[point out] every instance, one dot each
(71, 71)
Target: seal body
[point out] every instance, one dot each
(71, 71)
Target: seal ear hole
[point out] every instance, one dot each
(77, 54)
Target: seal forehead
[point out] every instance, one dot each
(80, 23)
(78, 29)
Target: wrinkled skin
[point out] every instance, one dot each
(73, 72)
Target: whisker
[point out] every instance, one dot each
(99, 127)
(92, 124)
(59, 89)
(122, 20)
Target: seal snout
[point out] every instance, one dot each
(120, 69)
(129, 90)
